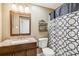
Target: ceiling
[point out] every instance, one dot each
(49, 5)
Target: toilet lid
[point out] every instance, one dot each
(48, 51)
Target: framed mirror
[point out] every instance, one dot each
(20, 23)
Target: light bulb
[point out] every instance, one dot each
(27, 10)
(14, 8)
(21, 9)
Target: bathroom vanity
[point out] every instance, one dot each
(20, 25)
(23, 47)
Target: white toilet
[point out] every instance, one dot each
(46, 50)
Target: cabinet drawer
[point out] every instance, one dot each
(16, 48)
(30, 45)
(23, 47)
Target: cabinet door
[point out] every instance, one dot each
(32, 52)
(20, 53)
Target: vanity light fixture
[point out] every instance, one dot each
(20, 8)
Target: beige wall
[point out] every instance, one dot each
(0, 22)
(5, 21)
(37, 13)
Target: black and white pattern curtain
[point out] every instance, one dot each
(64, 34)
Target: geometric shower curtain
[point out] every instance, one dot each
(64, 34)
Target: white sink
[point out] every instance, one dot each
(9, 42)
(19, 41)
(13, 42)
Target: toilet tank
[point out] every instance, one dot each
(43, 42)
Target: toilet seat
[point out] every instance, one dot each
(48, 52)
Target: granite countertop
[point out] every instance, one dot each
(16, 41)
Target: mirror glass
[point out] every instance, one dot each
(20, 24)
(15, 24)
(24, 21)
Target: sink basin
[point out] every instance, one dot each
(15, 41)
(19, 41)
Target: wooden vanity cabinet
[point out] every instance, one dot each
(27, 49)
